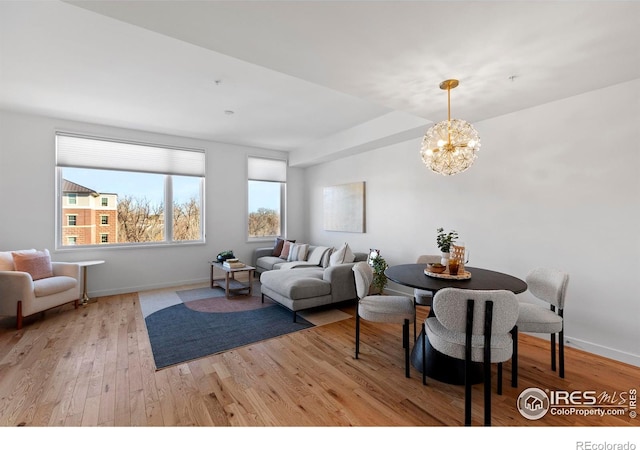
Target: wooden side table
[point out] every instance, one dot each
(231, 285)
(84, 265)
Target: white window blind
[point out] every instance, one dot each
(97, 153)
(264, 169)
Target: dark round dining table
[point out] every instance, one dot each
(439, 366)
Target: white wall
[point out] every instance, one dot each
(27, 202)
(556, 185)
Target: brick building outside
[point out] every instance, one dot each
(88, 217)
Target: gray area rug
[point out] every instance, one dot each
(191, 323)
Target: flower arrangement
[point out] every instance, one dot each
(444, 240)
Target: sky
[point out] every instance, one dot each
(150, 186)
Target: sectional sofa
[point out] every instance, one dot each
(316, 276)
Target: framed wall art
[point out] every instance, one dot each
(344, 207)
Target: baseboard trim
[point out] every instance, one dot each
(148, 287)
(601, 350)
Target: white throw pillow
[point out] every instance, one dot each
(342, 255)
(298, 252)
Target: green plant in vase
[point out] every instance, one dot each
(444, 242)
(379, 282)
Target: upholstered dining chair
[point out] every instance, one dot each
(549, 285)
(420, 296)
(474, 326)
(382, 308)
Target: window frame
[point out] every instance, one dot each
(283, 200)
(167, 196)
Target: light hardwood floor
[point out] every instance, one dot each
(93, 367)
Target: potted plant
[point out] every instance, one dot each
(379, 282)
(444, 242)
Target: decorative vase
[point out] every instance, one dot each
(445, 259)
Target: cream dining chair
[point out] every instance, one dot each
(550, 286)
(382, 308)
(474, 326)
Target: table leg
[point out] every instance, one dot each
(212, 281)
(226, 279)
(85, 297)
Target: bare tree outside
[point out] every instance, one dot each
(139, 220)
(186, 221)
(264, 222)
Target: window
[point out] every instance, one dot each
(150, 194)
(71, 220)
(73, 199)
(266, 197)
(71, 240)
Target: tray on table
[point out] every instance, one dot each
(462, 275)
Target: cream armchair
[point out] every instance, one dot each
(21, 296)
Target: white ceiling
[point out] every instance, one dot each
(298, 72)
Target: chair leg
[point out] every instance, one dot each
(19, 315)
(467, 393)
(561, 352)
(405, 340)
(499, 379)
(514, 358)
(424, 354)
(553, 346)
(467, 364)
(415, 326)
(561, 344)
(357, 334)
(487, 394)
(553, 352)
(488, 320)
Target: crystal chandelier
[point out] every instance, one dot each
(450, 147)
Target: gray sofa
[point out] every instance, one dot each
(299, 285)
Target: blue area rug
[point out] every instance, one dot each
(179, 333)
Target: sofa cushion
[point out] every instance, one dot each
(6, 259)
(285, 249)
(296, 284)
(342, 255)
(268, 262)
(298, 252)
(37, 264)
(316, 255)
(277, 247)
(53, 285)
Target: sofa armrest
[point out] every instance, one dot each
(66, 269)
(343, 283)
(14, 286)
(260, 252)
